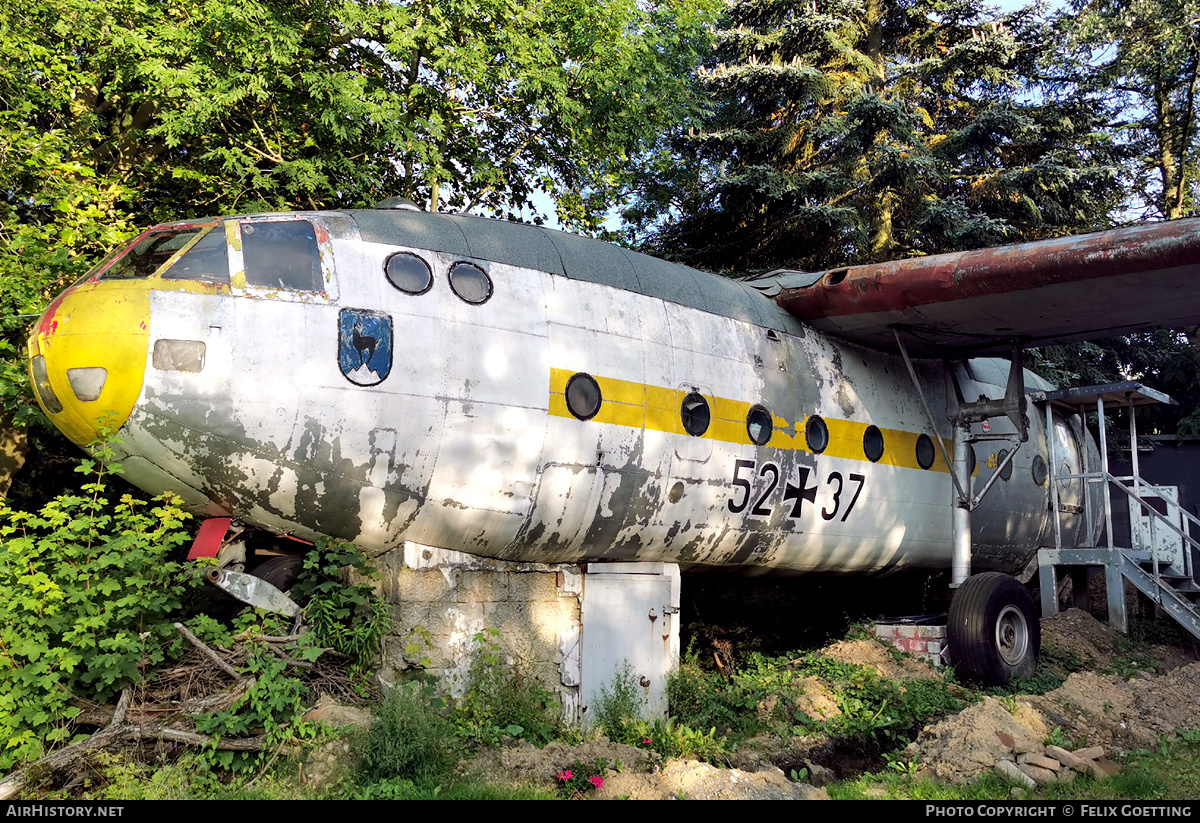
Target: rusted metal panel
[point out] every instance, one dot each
(1059, 290)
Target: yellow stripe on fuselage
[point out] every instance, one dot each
(641, 406)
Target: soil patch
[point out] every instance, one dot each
(1091, 708)
(1073, 640)
(873, 654)
(693, 780)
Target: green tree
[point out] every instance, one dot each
(849, 131)
(123, 114)
(1139, 61)
(250, 104)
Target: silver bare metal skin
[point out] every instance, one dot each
(464, 443)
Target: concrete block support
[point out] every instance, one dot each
(923, 640)
(442, 599)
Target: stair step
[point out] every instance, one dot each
(1167, 574)
(1164, 569)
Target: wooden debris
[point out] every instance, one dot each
(162, 708)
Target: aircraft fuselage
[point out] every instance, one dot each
(552, 401)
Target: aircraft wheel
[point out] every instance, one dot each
(993, 630)
(281, 572)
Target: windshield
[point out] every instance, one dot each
(147, 253)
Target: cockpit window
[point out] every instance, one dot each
(282, 254)
(204, 261)
(146, 256)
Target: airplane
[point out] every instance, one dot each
(515, 392)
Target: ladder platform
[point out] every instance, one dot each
(1172, 585)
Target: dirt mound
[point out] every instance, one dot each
(640, 775)
(1106, 710)
(968, 744)
(1074, 640)
(543, 765)
(874, 654)
(814, 699)
(693, 780)
(1089, 709)
(1075, 637)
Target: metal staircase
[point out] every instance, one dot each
(1159, 561)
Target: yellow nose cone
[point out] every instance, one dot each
(87, 357)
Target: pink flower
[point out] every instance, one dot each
(596, 780)
(565, 775)
(647, 741)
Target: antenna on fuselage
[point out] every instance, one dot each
(398, 203)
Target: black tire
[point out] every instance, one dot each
(281, 572)
(993, 630)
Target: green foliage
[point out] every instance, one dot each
(670, 738)
(760, 697)
(502, 700)
(1166, 360)
(346, 616)
(272, 706)
(189, 776)
(87, 590)
(399, 789)
(1146, 775)
(409, 740)
(133, 112)
(1138, 62)
(618, 715)
(874, 131)
(618, 711)
(902, 765)
(1058, 738)
(245, 104)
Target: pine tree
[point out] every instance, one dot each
(849, 131)
(1139, 61)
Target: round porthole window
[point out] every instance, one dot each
(816, 434)
(1039, 470)
(925, 453)
(759, 425)
(695, 414)
(409, 273)
(583, 396)
(470, 282)
(873, 443)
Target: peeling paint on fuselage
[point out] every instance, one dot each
(458, 447)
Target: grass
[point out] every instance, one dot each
(1170, 772)
(763, 696)
(188, 778)
(412, 750)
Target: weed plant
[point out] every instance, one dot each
(345, 616)
(88, 591)
(760, 697)
(618, 716)
(503, 700)
(410, 740)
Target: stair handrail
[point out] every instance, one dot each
(1156, 513)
